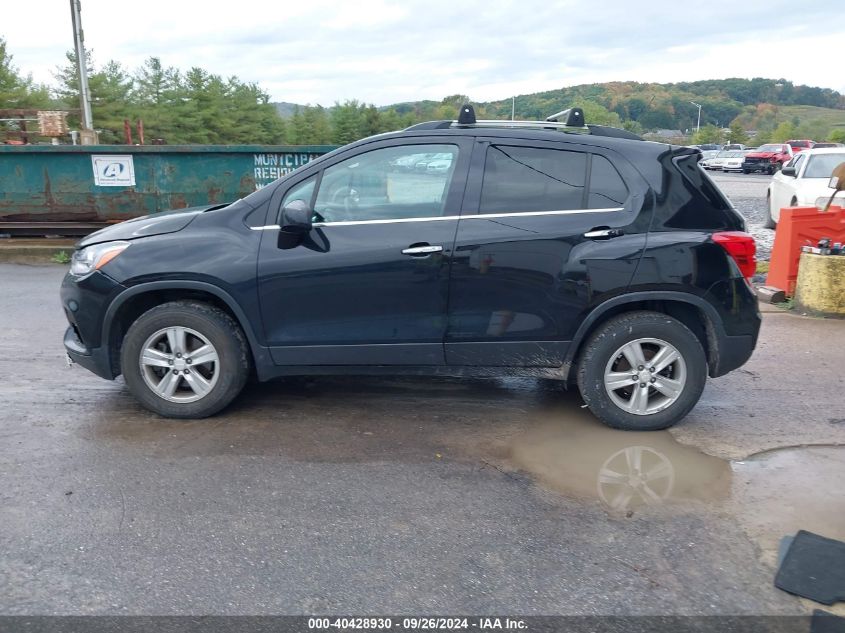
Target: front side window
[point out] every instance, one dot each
(410, 181)
(302, 191)
(526, 179)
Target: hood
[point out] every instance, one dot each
(762, 154)
(147, 225)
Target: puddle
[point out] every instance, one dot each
(568, 451)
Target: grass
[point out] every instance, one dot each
(762, 267)
(789, 304)
(806, 113)
(61, 257)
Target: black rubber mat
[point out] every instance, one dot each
(824, 622)
(814, 568)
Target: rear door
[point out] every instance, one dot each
(548, 230)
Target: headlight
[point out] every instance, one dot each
(95, 257)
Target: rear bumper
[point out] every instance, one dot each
(733, 352)
(732, 335)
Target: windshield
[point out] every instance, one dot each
(821, 166)
(770, 148)
(800, 143)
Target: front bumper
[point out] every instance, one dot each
(85, 301)
(95, 360)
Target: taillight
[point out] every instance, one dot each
(741, 247)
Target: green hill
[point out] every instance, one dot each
(773, 108)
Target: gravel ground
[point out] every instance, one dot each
(748, 194)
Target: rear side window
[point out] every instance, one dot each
(525, 179)
(607, 189)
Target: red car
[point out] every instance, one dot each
(767, 158)
(800, 145)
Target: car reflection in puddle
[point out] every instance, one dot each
(635, 475)
(574, 454)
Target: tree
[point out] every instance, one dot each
(346, 122)
(783, 132)
(16, 90)
(737, 134)
(837, 136)
(707, 134)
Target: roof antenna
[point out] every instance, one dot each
(466, 116)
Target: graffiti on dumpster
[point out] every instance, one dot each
(270, 167)
(113, 170)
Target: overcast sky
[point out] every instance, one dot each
(319, 51)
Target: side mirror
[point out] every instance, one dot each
(296, 218)
(837, 182)
(789, 171)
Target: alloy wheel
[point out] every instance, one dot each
(179, 364)
(645, 376)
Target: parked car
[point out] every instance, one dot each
(768, 158)
(717, 161)
(595, 258)
(734, 161)
(735, 146)
(826, 144)
(802, 181)
(801, 145)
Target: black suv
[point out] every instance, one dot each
(452, 248)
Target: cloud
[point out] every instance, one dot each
(384, 51)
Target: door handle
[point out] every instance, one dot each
(604, 233)
(423, 249)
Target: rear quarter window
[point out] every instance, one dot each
(697, 202)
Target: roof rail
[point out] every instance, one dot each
(573, 122)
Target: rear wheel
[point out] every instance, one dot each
(185, 359)
(642, 371)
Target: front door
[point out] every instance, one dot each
(554, 231)
(369, 284)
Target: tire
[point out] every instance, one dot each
(746, 171)
(654, 333)
(160, 335)
(769, 221)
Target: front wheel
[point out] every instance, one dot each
(769, 221)
(642, 371)
(185, 359)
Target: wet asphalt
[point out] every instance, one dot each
(406, 495)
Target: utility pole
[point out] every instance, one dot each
(87, 136)
(513, 108)
(698, 125)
